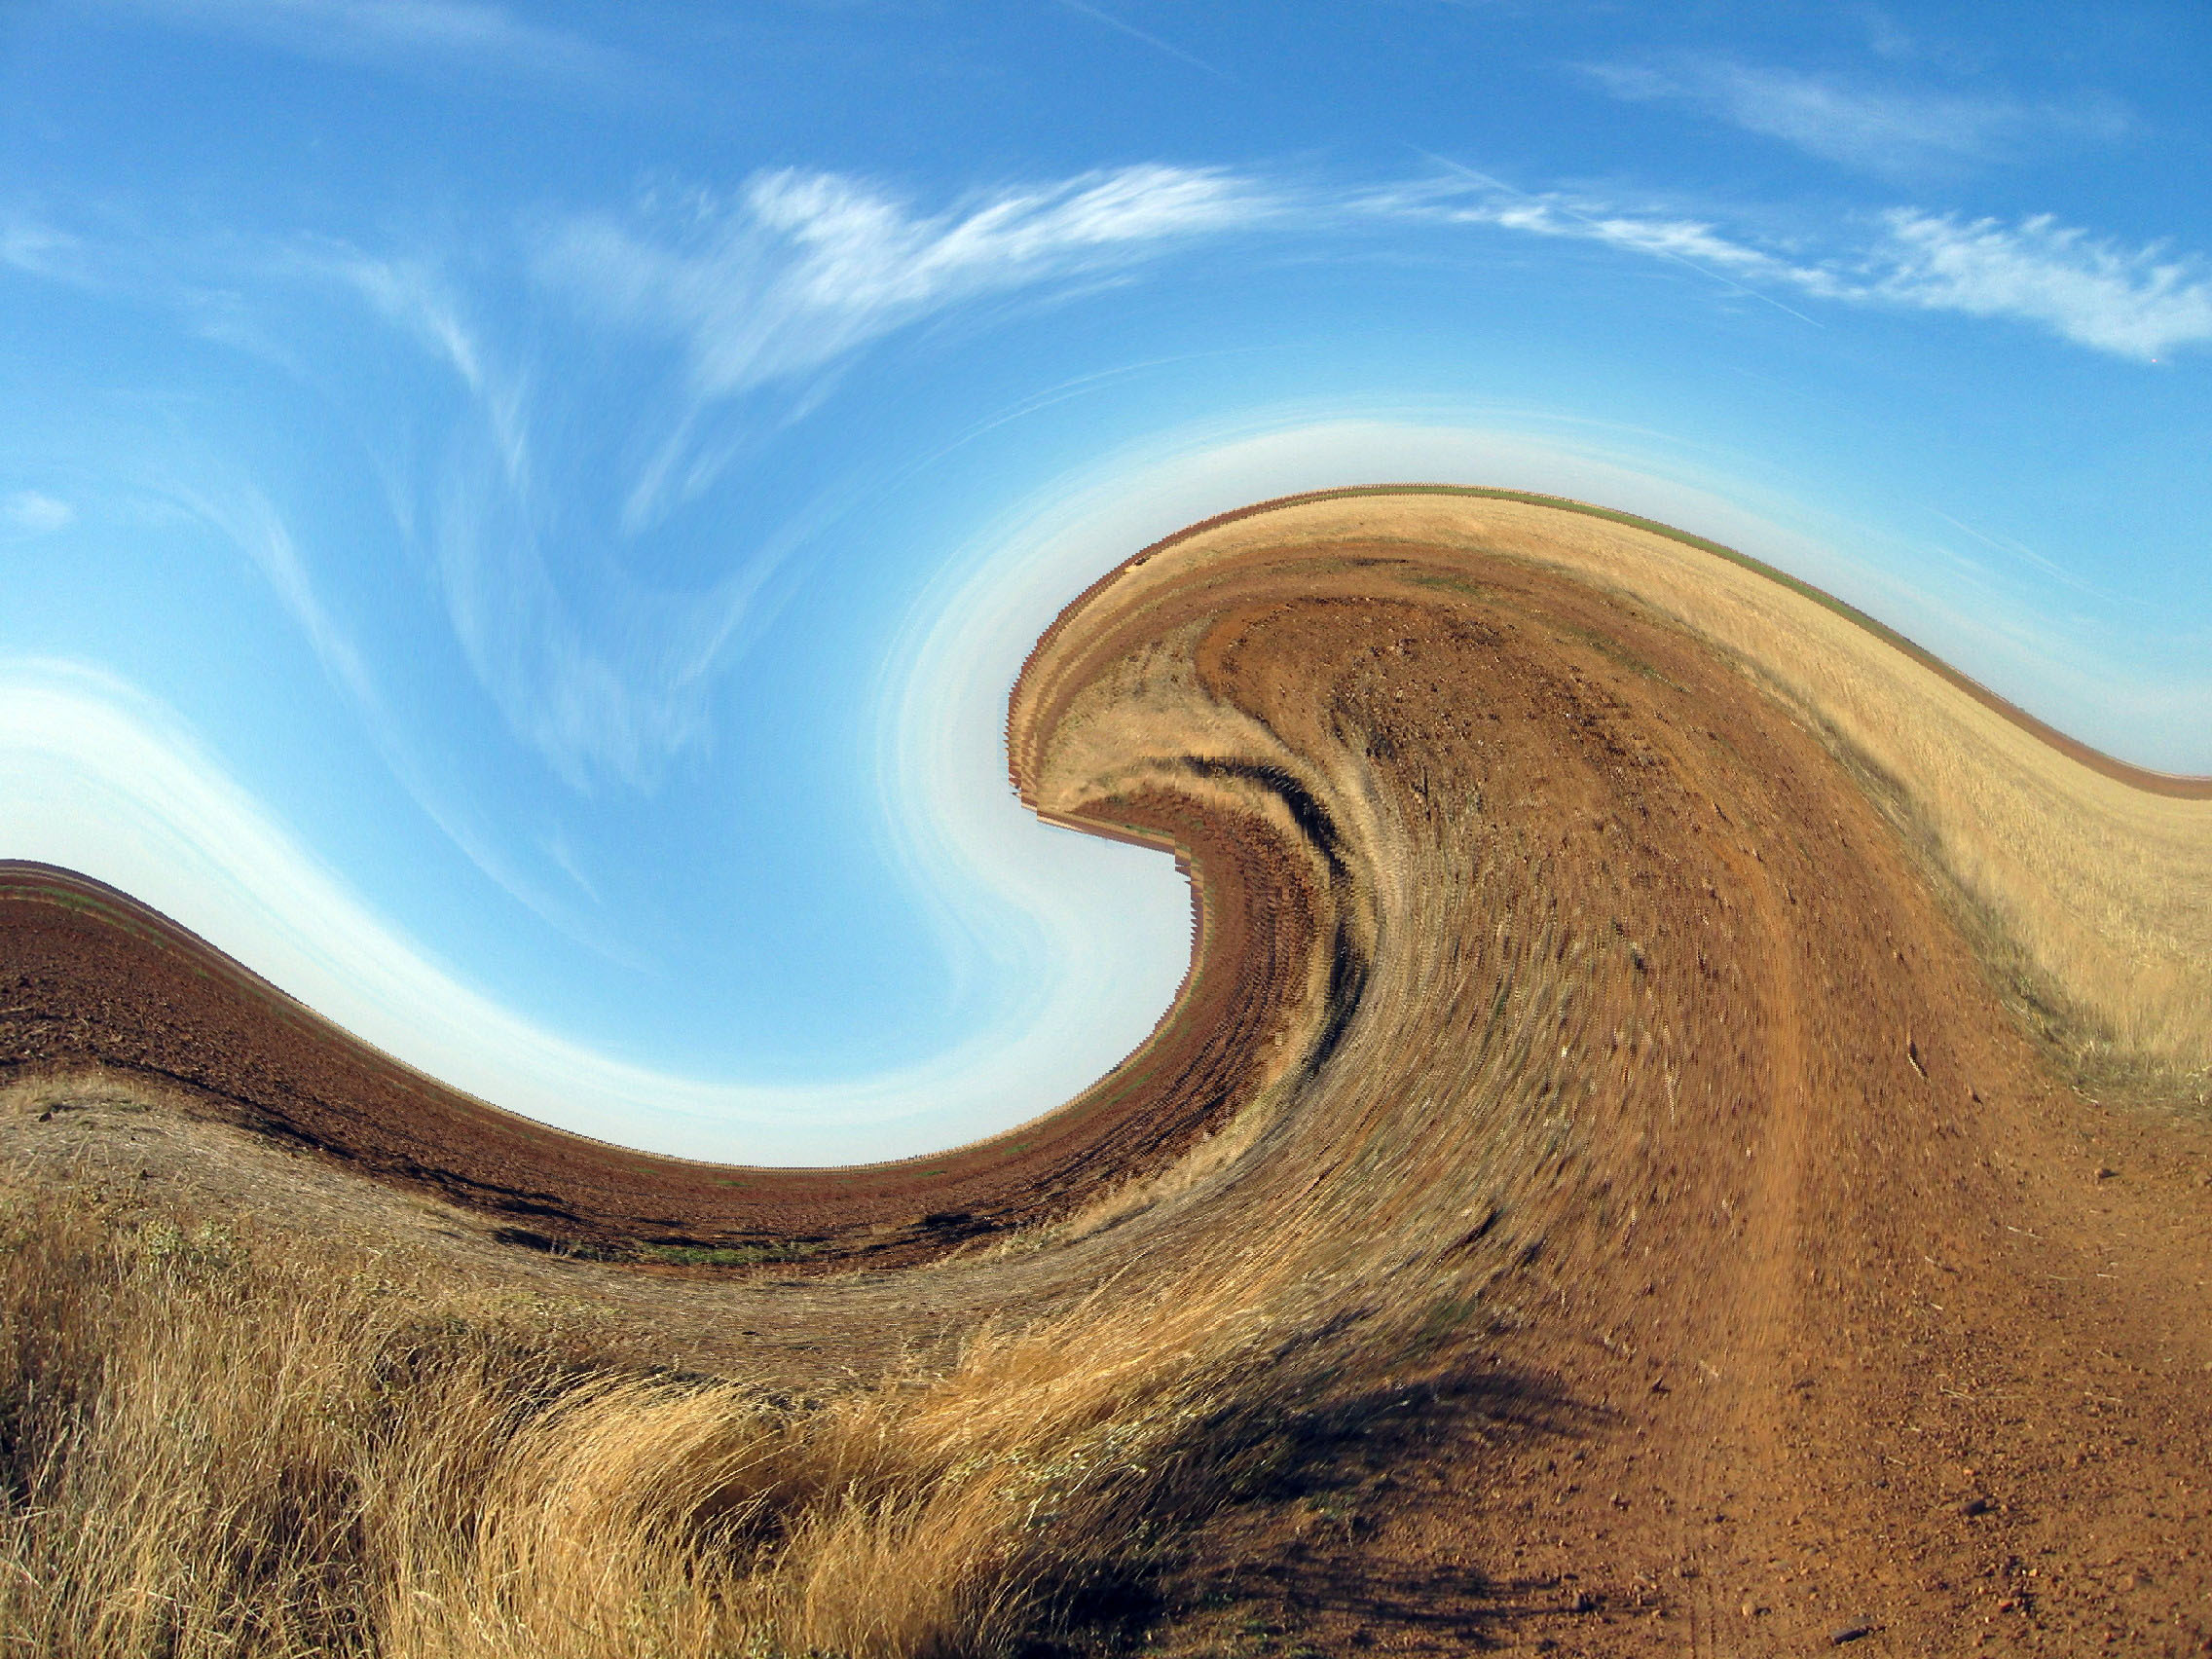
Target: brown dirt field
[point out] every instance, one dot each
(1612, 1004)
(102, 981)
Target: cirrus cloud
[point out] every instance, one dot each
(1880, 128)
(805, 268)
(2135, 302)
(2140, 302)
(28, 512)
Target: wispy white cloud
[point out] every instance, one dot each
(613, 689)
(1733, 263)
(419, 33)
(30, 512)
(608, 684)
(1881, 129)
(609, 678)
(1471, 198)
(805, 266)
(250, 523)
(2138, 301)
(407, 292)
(802, 269)
(2133, 302)
(414, 296)
(616, 696)
(36, 248)
(248, 520)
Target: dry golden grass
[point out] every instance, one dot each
(220, 1444)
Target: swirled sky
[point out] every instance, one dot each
(519, 520)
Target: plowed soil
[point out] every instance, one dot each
(1779, 1287)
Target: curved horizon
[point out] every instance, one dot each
(519, 526)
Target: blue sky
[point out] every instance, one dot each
(519, 520)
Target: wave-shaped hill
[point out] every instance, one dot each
(1714, 1095)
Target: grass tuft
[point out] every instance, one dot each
(217, 1443)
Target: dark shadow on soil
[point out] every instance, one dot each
(1291, 1558)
